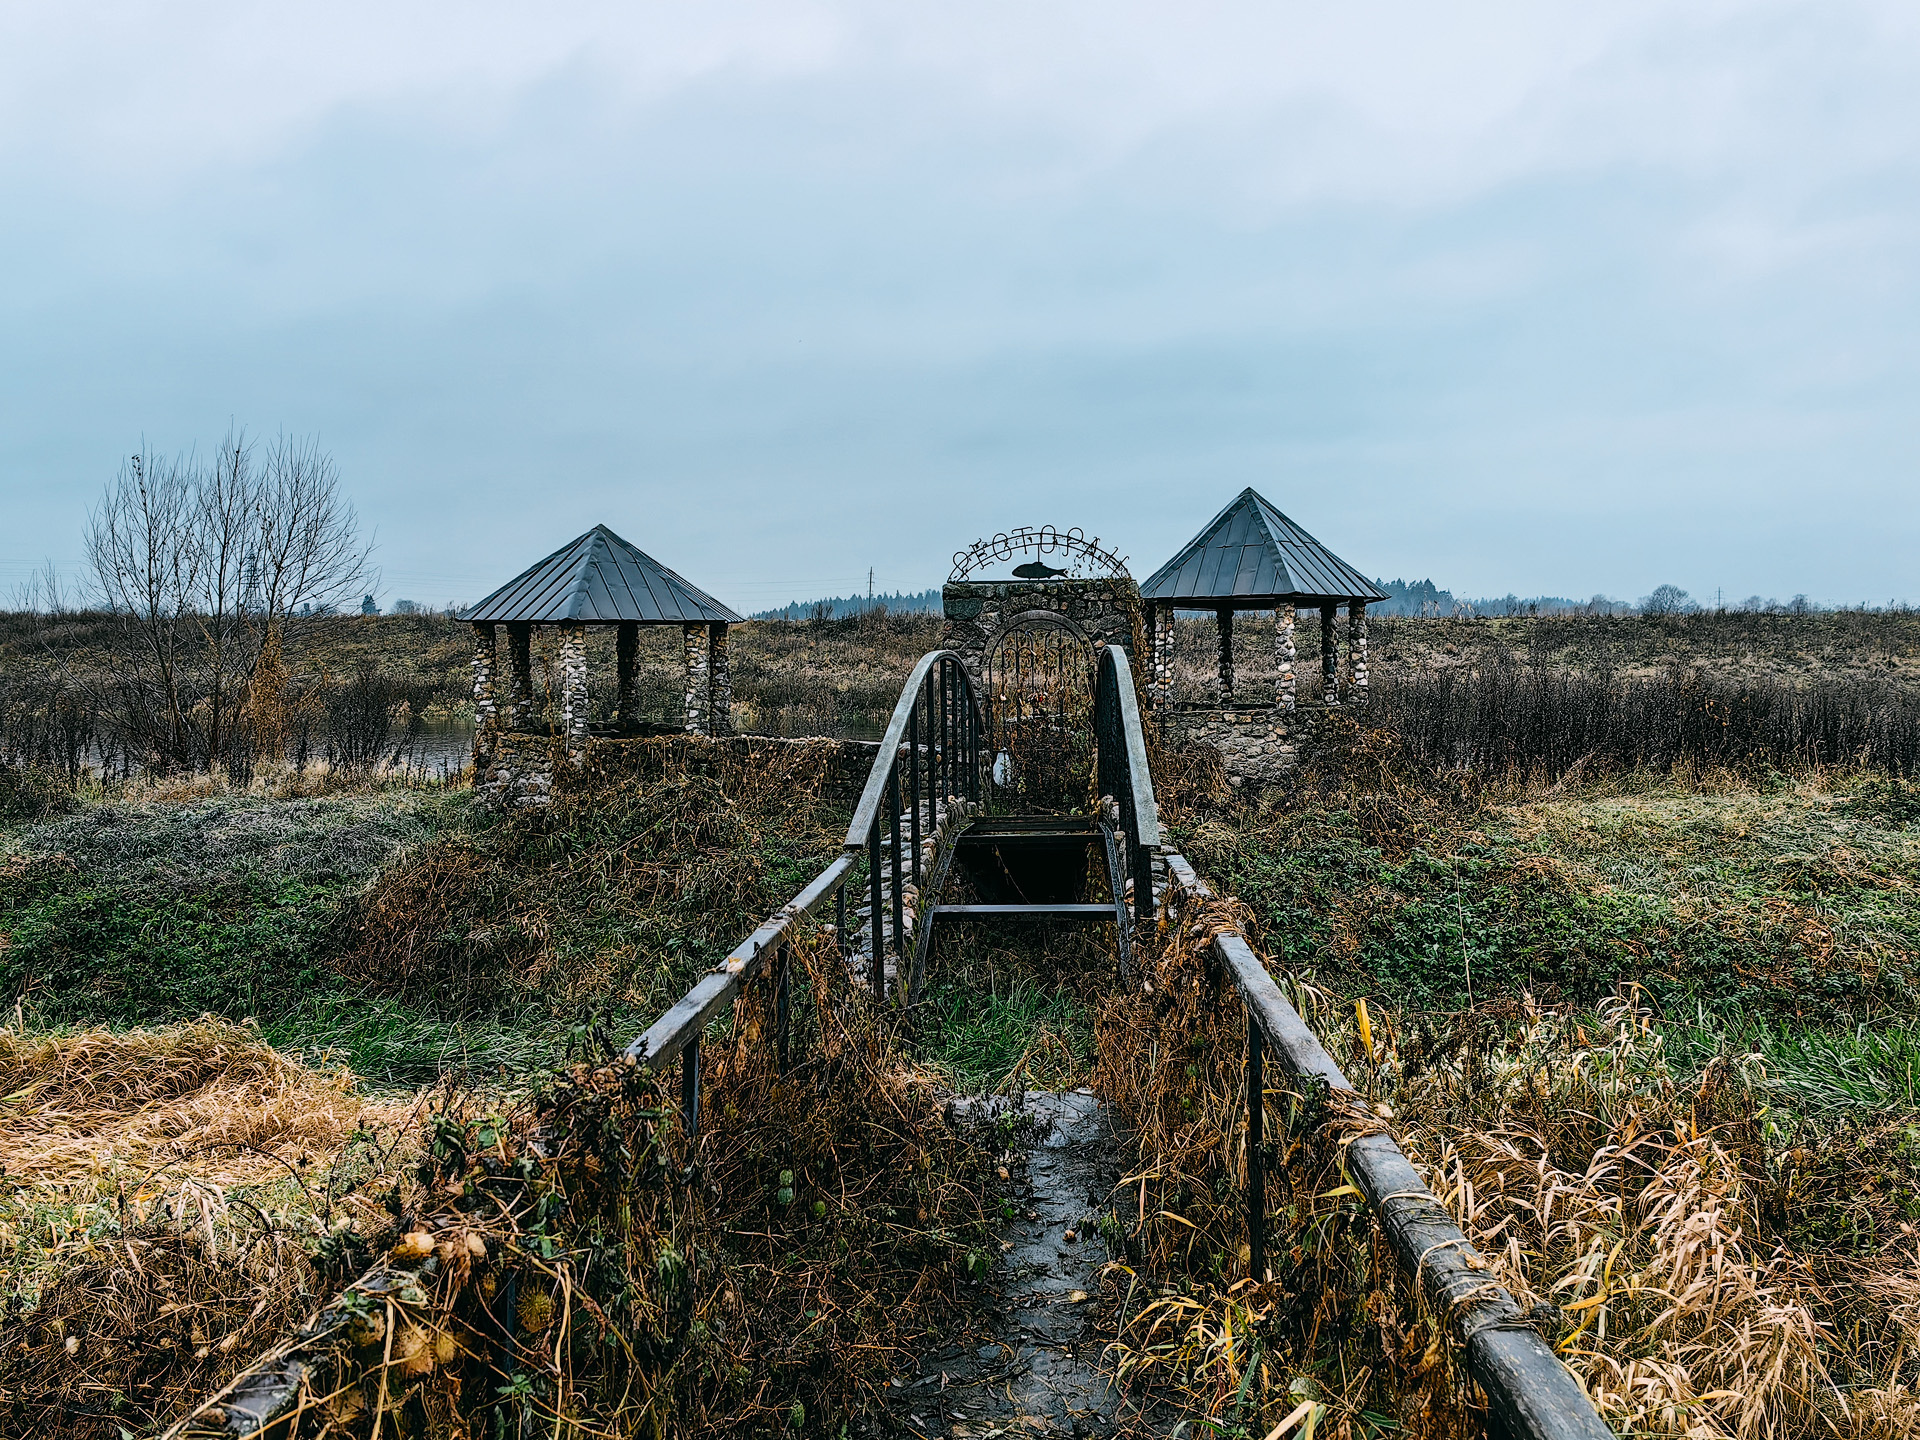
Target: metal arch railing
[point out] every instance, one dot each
(1123, 773)
(930, 753)
(1531, 1395)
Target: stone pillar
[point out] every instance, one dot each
(1225, 615)
(1357, 649)
(625, 650)
(1162, 646)
(483, 664)
(719, 681)
(519, 674)
(573, 683)
(699, 690)
(1329, 658)
(1285, 652)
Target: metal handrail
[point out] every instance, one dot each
(1531, 1395)
(905, 712)
(935, 734)
(1123, 772)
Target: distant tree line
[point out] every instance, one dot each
(839, 607)
(1424, 598)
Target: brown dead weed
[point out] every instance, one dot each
(173, 1198)
(578, 1263)
(1708, 1267)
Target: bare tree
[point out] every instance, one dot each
(207, 564)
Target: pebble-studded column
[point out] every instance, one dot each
(485, 723)
(1329, 658)
(1162, 655)
(1285, 652)
(573, 684)
(719, 681)
(1357, 649)
(519, 674)
(626, 649)
(483, 663)
(1225, 615)
(699, 696)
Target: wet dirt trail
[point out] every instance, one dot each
(1034, 1366)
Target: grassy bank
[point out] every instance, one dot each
(1797, 897)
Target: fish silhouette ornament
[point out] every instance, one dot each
(1036, 570)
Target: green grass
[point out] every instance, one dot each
(1021, 1031)
(1816, 1070)
(403, 933)
(1791, 902)
(139, 914)
(390, 1043)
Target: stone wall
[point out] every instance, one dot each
(1104, 611)
(520, 771)
(1258, 744)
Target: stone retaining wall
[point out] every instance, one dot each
(1258, 744)
(519, 770)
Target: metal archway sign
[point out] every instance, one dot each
(1084, 558)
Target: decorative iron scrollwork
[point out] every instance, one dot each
(1085, 559)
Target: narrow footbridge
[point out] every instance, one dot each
(927, 817)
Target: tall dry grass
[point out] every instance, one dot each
(1709, 1261)
(1503, 716)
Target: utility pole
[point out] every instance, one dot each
(869, 590)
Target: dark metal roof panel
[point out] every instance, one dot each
(600, 579)
(1251, 552)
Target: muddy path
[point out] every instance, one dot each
(1032, 1364)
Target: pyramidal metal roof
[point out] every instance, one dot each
(599, 579)
(1250, 551)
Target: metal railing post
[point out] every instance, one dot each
(913, 783)
(781, 1005)
(690, 1087)
(1256, 1162)
(899, 890)
(877, 900)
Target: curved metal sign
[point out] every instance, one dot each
(1082, 558)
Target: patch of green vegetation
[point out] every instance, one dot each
(393, 1043)
(132, 914)
(1023, 1033)
(403, 933)
(617, 896)
(1787, 901)
(1816, 1070)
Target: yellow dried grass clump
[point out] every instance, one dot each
(99, 1101)
(1639, 1207)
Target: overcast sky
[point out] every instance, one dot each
(1535, 297)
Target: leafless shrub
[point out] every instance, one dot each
(208, 567)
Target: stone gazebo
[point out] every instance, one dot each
(596, 580)
(1251, 557)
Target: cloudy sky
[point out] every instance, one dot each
(1535, 297)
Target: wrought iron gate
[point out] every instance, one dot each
(1039, 704)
